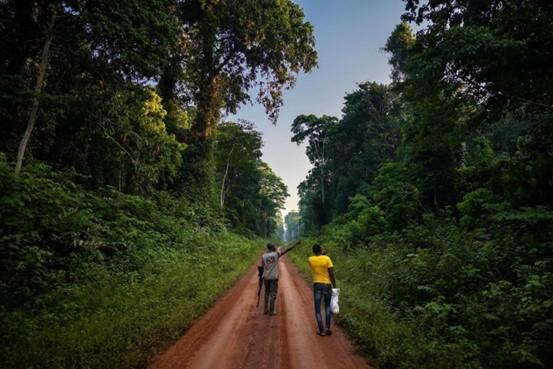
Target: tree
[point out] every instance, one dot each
(317, 132)
(398, 45)
(230, 47)
(93, 49)
(239, 44)
(472, 64)
(292, 220)
(250, 193)
(497, 51)
(238, 148)
(148, 154)
(347, 153)
(435, 120)
(43, 63)
(273, 194)
(280, 232)
(368, 136)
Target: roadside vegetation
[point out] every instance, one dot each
(104, 279)
(438, 295)
(127, 205)
(434, 194)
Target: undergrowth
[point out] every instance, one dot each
(437, 295)
(102, 279)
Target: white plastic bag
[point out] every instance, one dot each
(334, 301)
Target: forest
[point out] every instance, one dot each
(129, 202)
(434, 193)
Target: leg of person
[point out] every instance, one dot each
(266, 294)
(317, 294)
(328, 312)
(274, 293)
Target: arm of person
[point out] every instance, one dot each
(290, 248)
(332, 277)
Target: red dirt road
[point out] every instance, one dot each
(235, 334)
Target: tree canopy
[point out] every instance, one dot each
(83, 63)
(250, 194)
(346, 153)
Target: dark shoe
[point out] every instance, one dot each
(328, 332)
(272, 313)
(320, 334)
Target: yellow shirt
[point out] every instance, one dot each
(319, 266)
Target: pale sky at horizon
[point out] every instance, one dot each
(350, 35)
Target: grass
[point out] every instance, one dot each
(383, 337)
(102, 279)
(119, 322)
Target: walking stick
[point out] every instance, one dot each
(260, 276)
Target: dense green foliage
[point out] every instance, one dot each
(438, 191)
(129, 94)
(90, 112)
(224, 50)
(111, 239)
(345, 153)
(434, 194)
(116, 91)
(440, 296)
(104, 279)
(251, 194)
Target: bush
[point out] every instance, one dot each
(439, 294)
(103, 279)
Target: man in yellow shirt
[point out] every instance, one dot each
(323, 281)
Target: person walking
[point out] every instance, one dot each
(323, 281)
(269, 263)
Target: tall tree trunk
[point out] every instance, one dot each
(208, 109)
(199, 159)
(322, 185)
(208, 99)
(222, 193)
(320, 159)
(37, 90)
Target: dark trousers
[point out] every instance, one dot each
(322, 291)
(271, 290)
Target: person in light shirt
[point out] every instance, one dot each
(270, 273)
(323, 281)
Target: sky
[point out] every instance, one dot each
(350, 35)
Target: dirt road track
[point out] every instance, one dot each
(235, 334)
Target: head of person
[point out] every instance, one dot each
(317, 249)
(271, 247)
